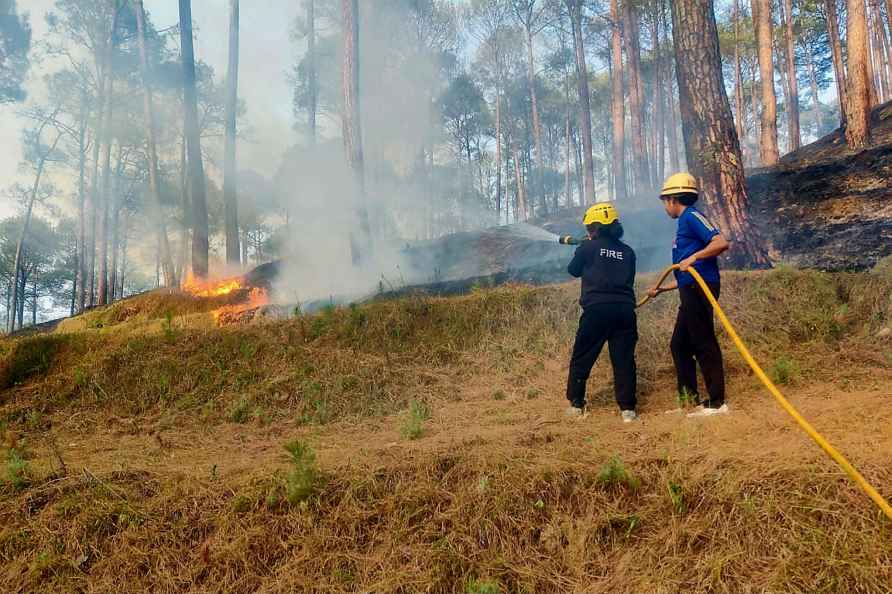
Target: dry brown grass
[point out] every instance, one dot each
(496, 493)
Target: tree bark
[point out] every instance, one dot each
(792, 83)
(193, 141)
(229, 167)
(575, 10)
(838, 66)
(170, 275)
(617, 106)
(858, 115)
(26, 220)
(351, 122)
(640, 166)
(764, 39)
(711, 144)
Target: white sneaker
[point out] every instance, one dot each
(708, 412)
(629, 416)
(573, 412)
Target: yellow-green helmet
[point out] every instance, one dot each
(603, 213)
(680, 183)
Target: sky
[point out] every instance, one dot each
(267, 54)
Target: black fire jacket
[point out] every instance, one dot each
(607, 269)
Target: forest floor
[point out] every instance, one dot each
(429, 451)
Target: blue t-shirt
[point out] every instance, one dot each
(694, 233)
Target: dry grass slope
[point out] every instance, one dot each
(492, 495)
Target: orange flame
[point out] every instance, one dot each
(208, 288)
(256, 298)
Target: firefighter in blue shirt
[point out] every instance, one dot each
(698, 244)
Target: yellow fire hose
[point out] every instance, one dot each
(817, 437)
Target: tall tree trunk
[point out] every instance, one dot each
(34, 299)
(499, 154)
(26, 220)
(839, 69)
(81, 260)
(229, 167)
(537, 164)
(711, 143)
(312, 75)
(351, 121)
(880, 61)
(640, 167)
(585, 110)
(568, 187)
(21, 302)
(102, 287)
(659, 153)
(874, 81)
(792, 83)
(520, 208)
(617, 106)
(93, 204)
(672, 127)
(764, 40)
(114, 204)
(886, 46)
(193, 141)
(186, 208)
(754, 107)
(738, 83)
(106, 141)
(858, 128)
(123, 274)
(170, 274)
(577, 158)
(813, 84)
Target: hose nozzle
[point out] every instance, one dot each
(569, 240)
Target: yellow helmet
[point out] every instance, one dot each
(680, 183)
(603, 213)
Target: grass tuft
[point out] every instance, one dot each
(413, 426)
(614, 473)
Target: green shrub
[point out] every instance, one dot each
(300, 482)
(477, 586)
(240, 412)
(16, 470)
(784, 370)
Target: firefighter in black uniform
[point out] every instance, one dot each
(607, 268)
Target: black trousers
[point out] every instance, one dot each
(617, 325)
(694, 341)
